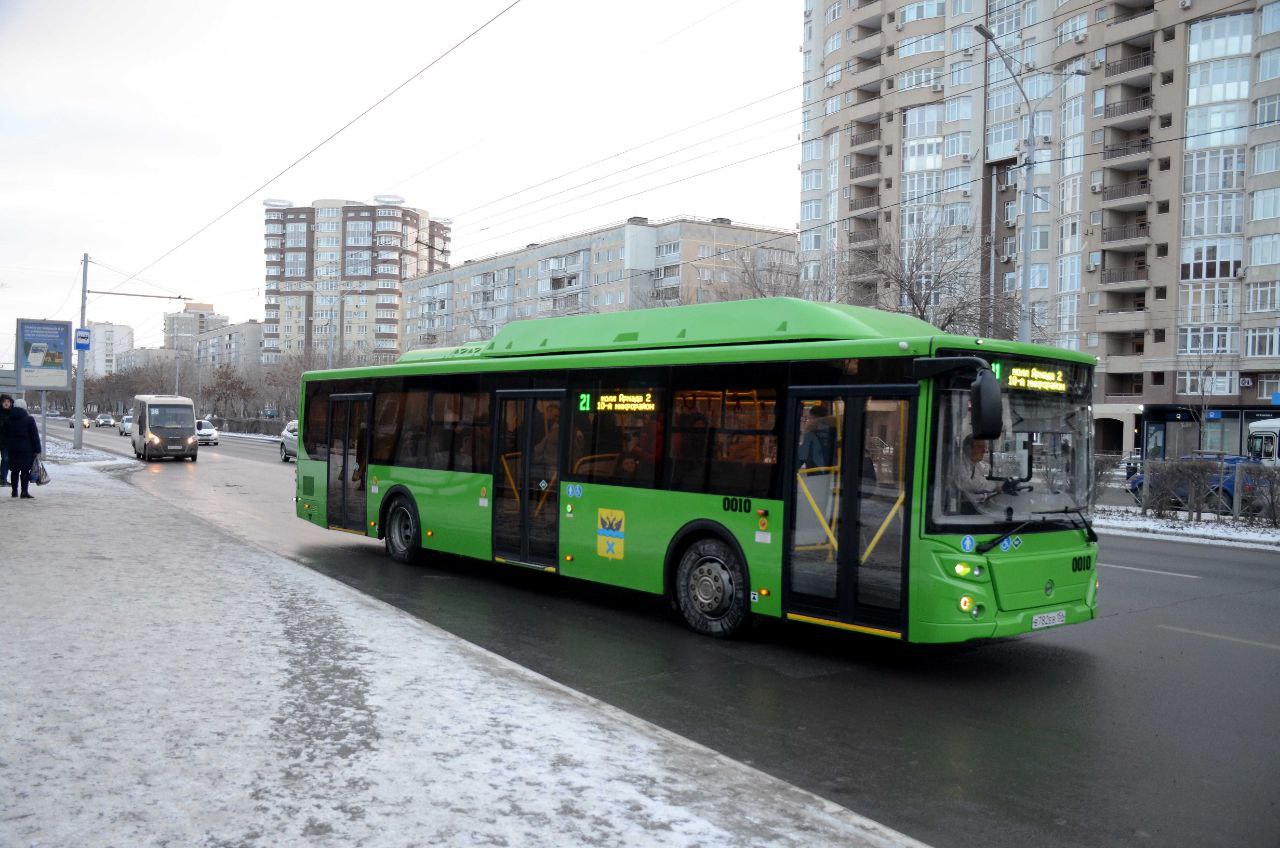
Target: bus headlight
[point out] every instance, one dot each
(966, 603)
(153, 438)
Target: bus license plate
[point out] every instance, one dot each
(1048, 619)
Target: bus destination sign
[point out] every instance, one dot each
(1032, 379)
(621, 401)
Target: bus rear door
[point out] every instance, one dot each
(849, 497)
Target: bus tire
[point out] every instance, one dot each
(403, 536)
(711, 588)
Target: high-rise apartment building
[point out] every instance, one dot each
(633, 265)
(334, 274)
(106, 342)
(1155, 222)
(237, 345)
(181, 329)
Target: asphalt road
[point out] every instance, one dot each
(1154, 725)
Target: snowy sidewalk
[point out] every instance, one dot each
(165, 683)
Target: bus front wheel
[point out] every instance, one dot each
(711, 588)
(403, 532)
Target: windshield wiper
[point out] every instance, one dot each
(986, 546)
(1067, 510)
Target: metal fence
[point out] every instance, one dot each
(1204, 488)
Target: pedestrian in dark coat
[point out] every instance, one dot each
(6, 404)
(22, 437)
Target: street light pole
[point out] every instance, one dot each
(1027, 165)
(78, 441)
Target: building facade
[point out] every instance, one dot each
(106, 342)
(633, 265)
(1155, 220)
(335, 273)
(237, 345)
(181, 329)
(146, 357)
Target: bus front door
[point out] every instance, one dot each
(526, 478)
(850, 496)
(348, 456)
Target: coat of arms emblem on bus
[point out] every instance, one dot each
(610, 532)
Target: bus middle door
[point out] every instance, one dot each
(348, 459)
(526, 478)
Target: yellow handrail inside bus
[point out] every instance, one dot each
(813, 504)
(511, 480)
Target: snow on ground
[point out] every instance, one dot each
(165, 683)
(1129, 521)
(60, 450)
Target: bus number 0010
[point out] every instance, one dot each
(737, 504)
(1080, 563)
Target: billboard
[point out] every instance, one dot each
(43, 357)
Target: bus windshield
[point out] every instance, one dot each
(171, 417)
(1037, 469)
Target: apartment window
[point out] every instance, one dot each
(1010, 281)
(1217, 81)
(1001, 139)
(1068, 196)
(962, 73)
(920, 185)
(921, 155)
(672, 248)
(1207, 340)
(1069, 273)
(833, 11)
(1213, 214)
(1262, 341)
(921, 122)
(1213, 170)
(1069, 235)
(1069, 28)
(811, 239)
(955, 214)
(295, 264)
(1270, 18)
(918, 77)
(1264, 250)
(1266, 157)
(1268, 111)
(1039, 238)
(1268, 384)
(922, 44)
(962, 37)
(1099, 103)
(1009, 246)
(1073, 116)
(1266, 204)
(920, 11)
(1207, 382)
(1219, 125)
(1010, 211)
(961, 7)
(327, 227)
(359, 233)
(812, 149)
(1263, 297)
(811, 180)
(1039, 275)
(358, 262)
(1269, 65)
(831, 106)
(1207, 303)
(956, 144)
(811, 210)
(833, 43)
(327, 212)
(1229, 35)
(954, 179)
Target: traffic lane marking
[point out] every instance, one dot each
(1150, 571)
(1219, 636)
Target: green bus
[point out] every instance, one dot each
(815, 462)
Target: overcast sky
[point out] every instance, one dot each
(127, 126)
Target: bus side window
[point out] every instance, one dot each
(317, 422)
(724, 441)
(411, 442)
(388, 417)
(615, 433)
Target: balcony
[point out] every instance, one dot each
(1129, 155)
(867, 206)
(863, 236)
(1141, 65)
(1123, 320)
(866, 110)
(1128, 25)
(1117, 363)
(1135, 194)
(860, 141)
(1135, 278)
(1127, 237)
(868, 174)
(1132, 113)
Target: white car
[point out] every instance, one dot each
(206, 433)
(126, 425)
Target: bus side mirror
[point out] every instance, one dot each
(985, 406)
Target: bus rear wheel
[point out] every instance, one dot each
(711, 588)
(403, 536)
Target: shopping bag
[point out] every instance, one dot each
(39, 473)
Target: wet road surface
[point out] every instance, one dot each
(1154, 725)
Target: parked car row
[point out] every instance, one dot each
(1220, 485)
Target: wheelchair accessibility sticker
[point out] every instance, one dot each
(967, 544)
(610, 532)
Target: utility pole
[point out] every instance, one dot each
(78, 442)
